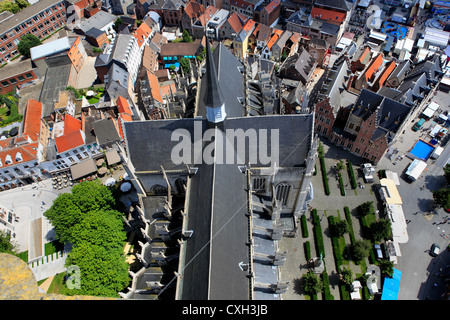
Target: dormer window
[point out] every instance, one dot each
(19, 157)
(8, 159)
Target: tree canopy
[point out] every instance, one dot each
(87, 218)
(381, 229)
(27, 42)
(311, 283)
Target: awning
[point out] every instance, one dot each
(112, 157)
(391, 286)
(83, 168)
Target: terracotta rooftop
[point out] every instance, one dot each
(194, 9)
(235, 22)
(18, 154)
(272, 5)
(32, 119)
(69, 141)
(373, 66)
(142, 33)
(327, 15)
(123, 106)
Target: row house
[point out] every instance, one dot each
(231, 27)
(215, 3)
(245, 7)
(42, 19)
(268, 12)
(374, 74)
(267, 51)
(19, 159)
(241, 42)
(126, 51)
(191, 13)
(85, 8)
(216, 22)
(198, 28)
(366, 122)
(300, 21)
(170, 11)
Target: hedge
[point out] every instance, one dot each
(324, 175)
(326, 287)
(307, 248)
(318, 234)
(351, 174)
(348, 217)
(305, 232)
(338, 259)
(341, 184)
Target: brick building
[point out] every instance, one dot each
(16, 75)
(41, 19)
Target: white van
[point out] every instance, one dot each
(437, 152)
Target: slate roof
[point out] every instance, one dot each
(217, 197)
(105, 131)
(391, 113)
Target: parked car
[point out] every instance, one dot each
(378, 251)
(434, 251)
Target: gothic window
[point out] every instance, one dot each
(158, 189)
(180, 184)
(259, 184)
(282, 192)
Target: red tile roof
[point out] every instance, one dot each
(18, 154)
(327, 15)
(71, 124)
(194, 9)
(373, 66)
(32, 119)
(234, 22)
(69, 141)
(272, 5)
(248, 26)
(154, 87)
(386, 72)
(123, 106)
(209, 12)
(142, 33)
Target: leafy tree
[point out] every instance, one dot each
(27, 42)
(447, 173)
(361, 249)
(184, 63)
(311, 283)
(64, 214)
(186, 37)
(347, 276)
(22, 3)
(103, 272)
(340, 166)
(365, 208)
(381, 229)
(6, 246)
(87, 218)
(386, 267)
(92, 196)
(8, 5)
(100, 228)
(339, 228)
(442, 197)
(117, 24)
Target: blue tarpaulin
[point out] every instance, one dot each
(391, 286)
